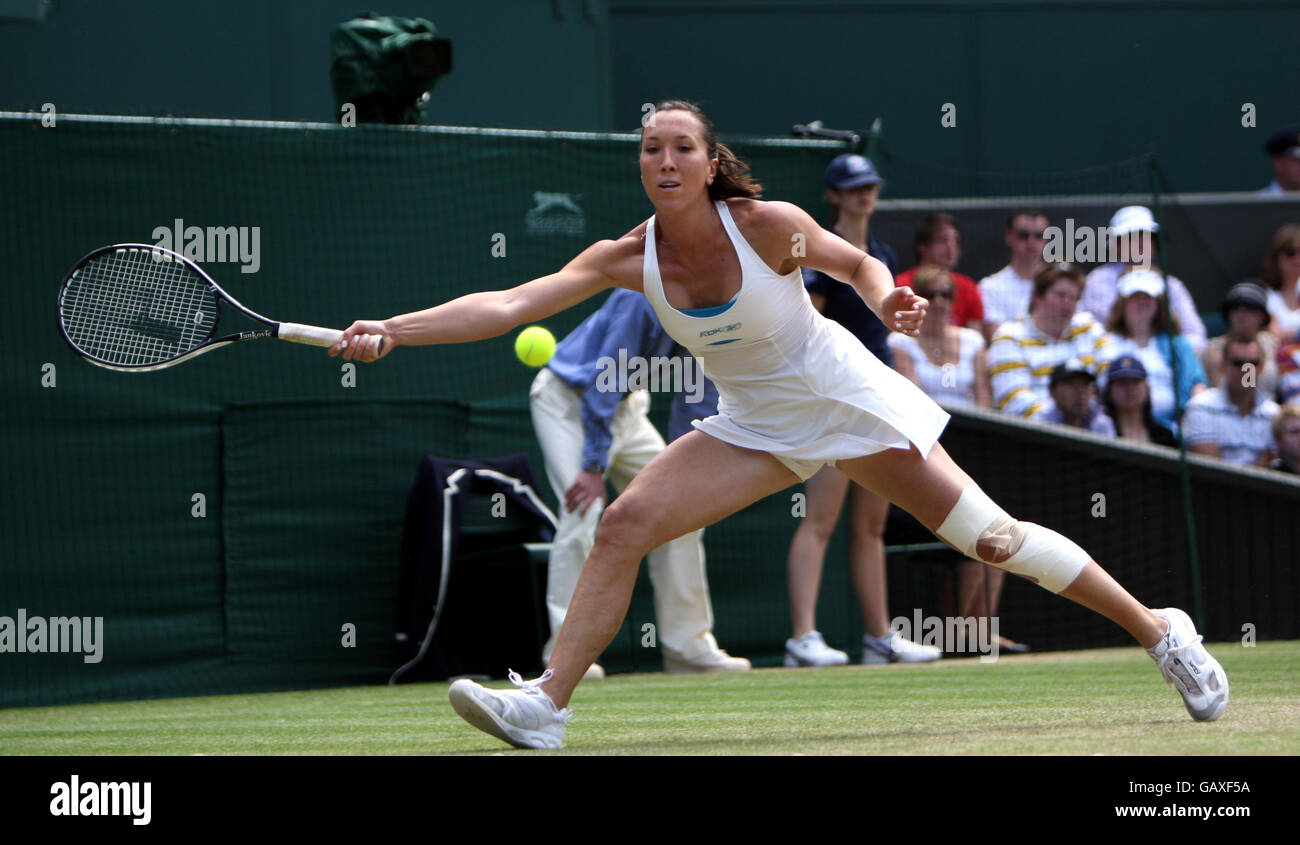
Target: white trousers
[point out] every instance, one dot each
(683, 612)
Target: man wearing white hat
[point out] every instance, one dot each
(1135, 223)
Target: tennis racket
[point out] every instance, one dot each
(136, 308)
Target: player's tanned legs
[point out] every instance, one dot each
(695, 482)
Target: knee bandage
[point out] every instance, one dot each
(981, 530)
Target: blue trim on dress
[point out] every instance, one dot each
(709, 312)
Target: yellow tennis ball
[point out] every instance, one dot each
(535, 346)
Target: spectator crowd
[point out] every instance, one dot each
(1122, 350)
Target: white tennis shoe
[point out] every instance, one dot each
(524, 717)
(713, 662)
(1188, 666)
(811, 650)
(895, 648)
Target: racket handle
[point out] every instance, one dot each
(313, 335)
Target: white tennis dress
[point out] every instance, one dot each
(791, 382)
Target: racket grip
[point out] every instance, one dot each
(313, 335)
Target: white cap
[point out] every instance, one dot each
(1141, 281)
(1133, 218)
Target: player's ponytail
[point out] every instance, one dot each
(733, 179)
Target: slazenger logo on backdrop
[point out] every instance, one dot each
(555, 214)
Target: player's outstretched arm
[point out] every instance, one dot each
(485, 314)
(898, 308)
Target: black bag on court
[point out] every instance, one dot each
(471, 594)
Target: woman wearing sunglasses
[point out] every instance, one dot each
(1280, 270)
(946, 361)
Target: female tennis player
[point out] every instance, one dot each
(797, 392)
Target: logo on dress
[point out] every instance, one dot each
(720, 329)
(555, 214)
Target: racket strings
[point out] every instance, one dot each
(127, 308)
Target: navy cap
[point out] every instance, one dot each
(1284, 142)
(1126, 366)
(1069, 369)
(849, 171)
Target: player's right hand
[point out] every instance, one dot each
(905, 309)
(587, 488)
(365, 341)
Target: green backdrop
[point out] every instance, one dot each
(302, 468)
(1037, 85)
(303, 478)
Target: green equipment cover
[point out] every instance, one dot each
(386, 66)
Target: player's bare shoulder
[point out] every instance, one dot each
(785, 217)
(620, 259)
(626, 257)
(773, 229)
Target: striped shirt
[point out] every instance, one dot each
(1021, 360)
(1211, 417)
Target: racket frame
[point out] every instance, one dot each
(300, 333)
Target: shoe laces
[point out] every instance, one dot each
(1174, 666)
(534, 688)
(531, 687)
